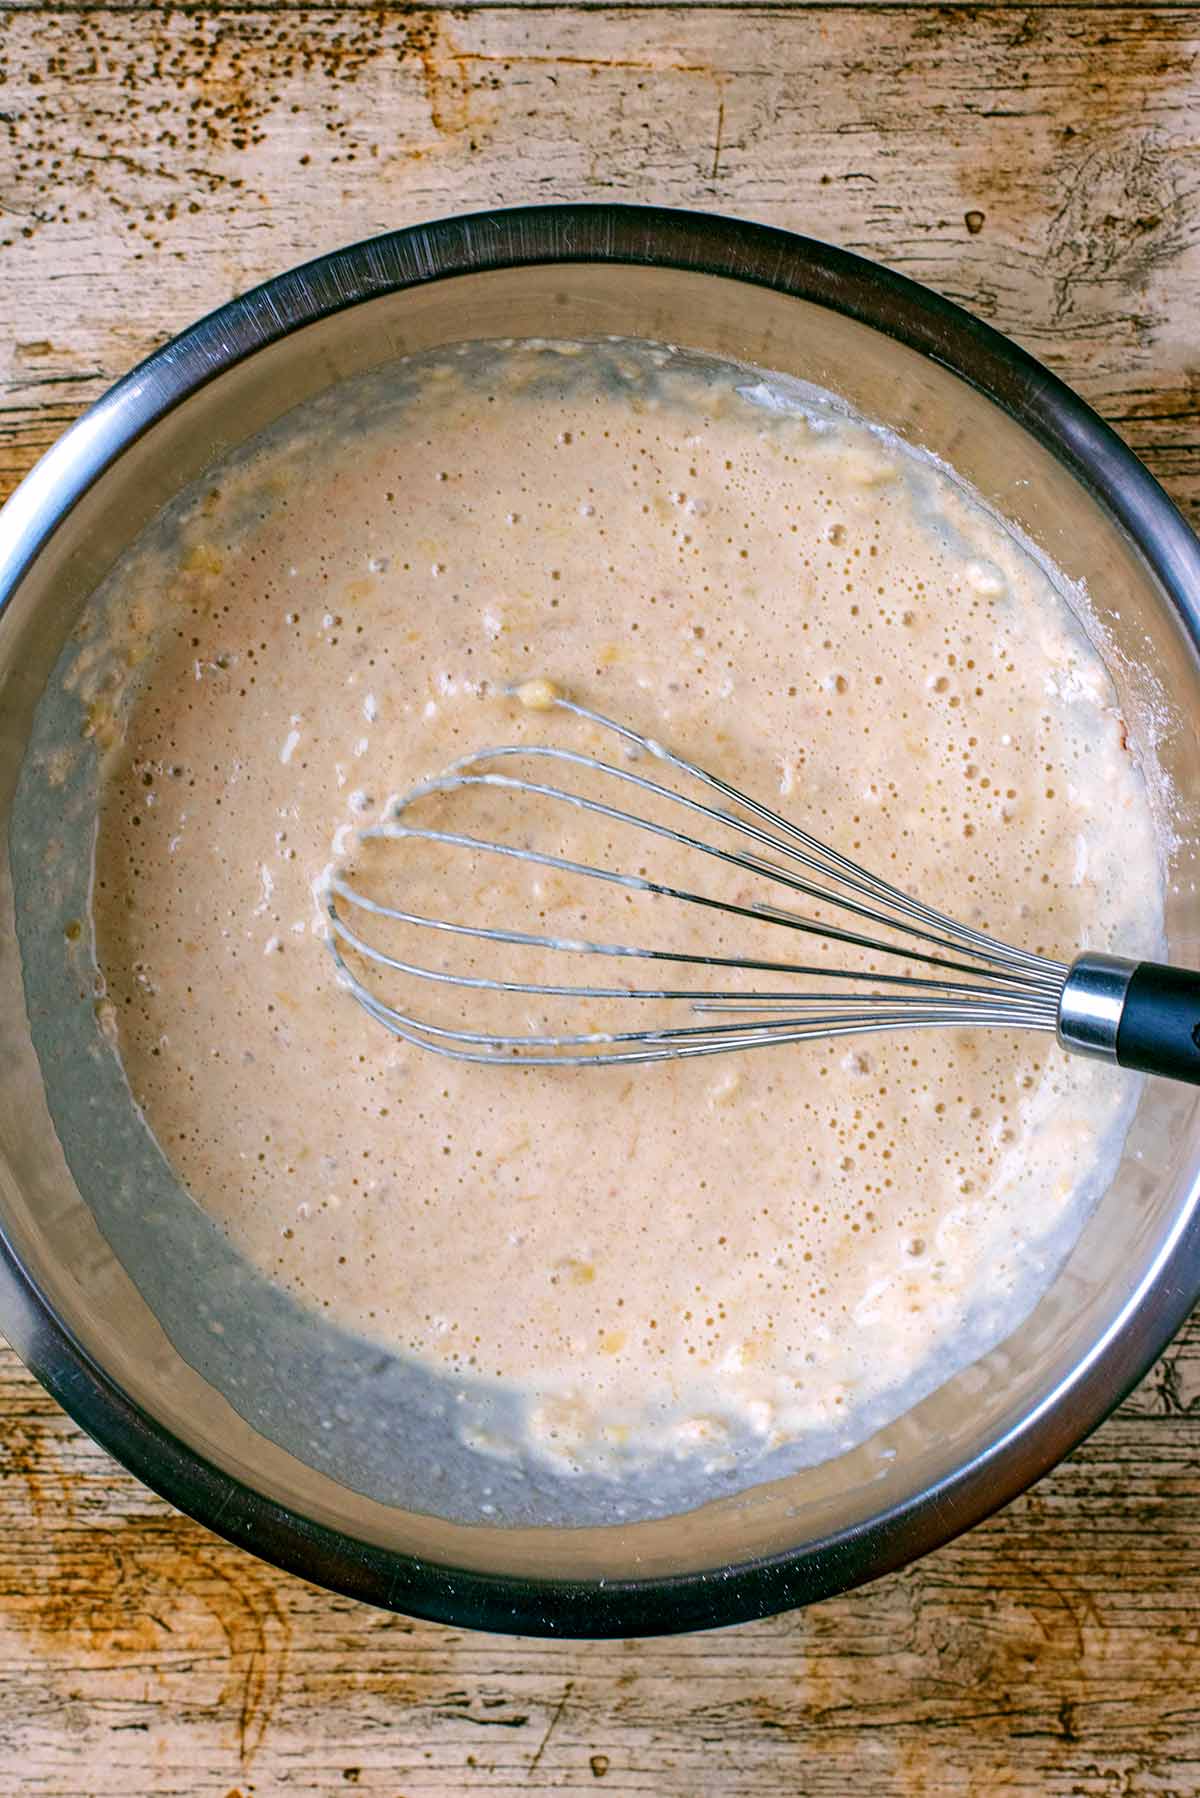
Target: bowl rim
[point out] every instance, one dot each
(732, 249)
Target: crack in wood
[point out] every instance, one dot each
(553, 1724)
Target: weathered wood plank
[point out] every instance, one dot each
(1052, 1651)
(462, 6)
(214, 148)
(1038, 162)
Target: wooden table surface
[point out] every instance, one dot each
(1039, 163)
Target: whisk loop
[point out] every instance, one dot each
(935, 971)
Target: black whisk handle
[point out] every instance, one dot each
(1159, 1032)
(1140, 1014)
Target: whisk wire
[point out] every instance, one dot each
(834, 867)
(846, 870)
(394, 830)
(972, 980)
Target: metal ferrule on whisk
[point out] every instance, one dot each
(1093, 1003)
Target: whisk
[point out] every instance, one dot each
(913, 968)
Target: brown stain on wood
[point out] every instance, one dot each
(447, 77)
(155, 1589)
(27, 1453)
(147, 1600)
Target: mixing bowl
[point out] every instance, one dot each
(123, 1301)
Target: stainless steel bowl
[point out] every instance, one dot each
(900, 355)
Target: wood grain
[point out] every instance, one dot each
(1039, 163)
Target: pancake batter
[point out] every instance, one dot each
(704, 1256)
